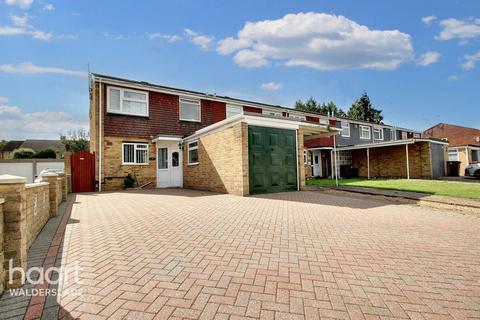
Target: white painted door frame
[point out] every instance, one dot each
(172, 175)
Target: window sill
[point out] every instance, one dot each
(189, 120)
(135, 164)
(127, 114)
(193, 163)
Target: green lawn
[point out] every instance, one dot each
(438, 187)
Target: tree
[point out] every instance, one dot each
(3, 143)
(362, 110)
(75, 141)
(23, 153)
(311, 105)
(47, 153)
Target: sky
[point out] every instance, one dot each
(419, 61)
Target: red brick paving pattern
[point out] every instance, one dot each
(184, 254)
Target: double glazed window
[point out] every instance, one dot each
(378, 133)
(126, 101)
(365, 132)
(189, 110)
(233, 110)
(345, 129)
(453, 155)
(193, 152)
(135, 153)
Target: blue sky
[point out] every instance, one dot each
(418, 60)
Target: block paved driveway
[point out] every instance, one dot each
(196, 255)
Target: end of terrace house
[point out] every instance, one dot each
(170, 137)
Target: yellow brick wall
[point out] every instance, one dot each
(390, 162)
(223, 162)
(300, 163)
(113, 171)
(38, 209)
(462, 157)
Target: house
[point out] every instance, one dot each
(35, 145)
(463, 142)
(170, 137)
(371, 150)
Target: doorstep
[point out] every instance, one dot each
(443, 202)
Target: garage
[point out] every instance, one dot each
(272, 160)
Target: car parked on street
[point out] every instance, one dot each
(473, 170)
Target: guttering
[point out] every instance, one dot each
(387, 144)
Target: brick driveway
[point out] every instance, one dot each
(194, 255)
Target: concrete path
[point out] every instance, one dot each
(185, 254)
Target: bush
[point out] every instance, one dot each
(23, 153)
(128, 181)
(47, 153)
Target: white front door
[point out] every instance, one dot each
(317, 163)
(169, 164)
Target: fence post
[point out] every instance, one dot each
(52, 179)
(64, 188)
(14, 246)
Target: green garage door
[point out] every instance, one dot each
(272, 160)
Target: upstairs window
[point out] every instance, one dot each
(404, 135)
(233, 110)
(134, 153)
(393, 134)
(378, 134)
(365, 133)
(345, 129)
(189, 110)
(297, 117)
(272, 113)
(127, 101)
(193, 152)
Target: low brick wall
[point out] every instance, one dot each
(24, 210)
(390, 162)
(38, 209)
(223, 162)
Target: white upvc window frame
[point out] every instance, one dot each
(305, 157)
(404, 135)
(380, 131)
(122, 98)
(189, 148)
(272, 113)
(393, 134)
(454, 152)
(297, 117)
(233, 110)
(345, 126)
(190, 100)
(369, 132)
(135, 148)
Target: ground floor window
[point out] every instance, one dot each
(193, 152)
(453, 155)
(134, 153)
(475, 155)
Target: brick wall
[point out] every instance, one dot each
(37, 209)
(223, 162)
(308, 165)
(113, 171)
(390, 162)
(300, 162)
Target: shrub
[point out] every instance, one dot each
(23, 153)
(129, 181)
(47, 153)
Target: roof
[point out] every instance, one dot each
(390, 143)
(210, 96)
(12, 145)
(455, 134)
(38, 145)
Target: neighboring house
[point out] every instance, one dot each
(463, 143)
(376, 151)
(35, 145)
(6, 151)
(180, 138)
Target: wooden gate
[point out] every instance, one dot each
(83, 171)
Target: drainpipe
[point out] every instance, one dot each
(368, 163)
(100, 136)
(298, 166)
(408, 162)
(335, 152)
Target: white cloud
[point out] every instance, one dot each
(21, 21)
(201, 40)
(42, 125)
(4, 100)
(470, 60)
(29, 68)
(428, 57)
(272, 86)
(459, 29)
(167, 37)
(48, 7)
(428, 20)
(15, 31)
(22, 4)
(453, 78)
(317, 40)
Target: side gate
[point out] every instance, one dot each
(83, 171)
